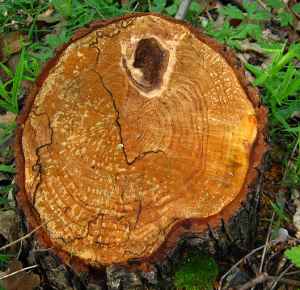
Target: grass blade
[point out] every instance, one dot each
(17, 81)
(7, 168)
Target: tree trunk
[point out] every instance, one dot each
(140, 139)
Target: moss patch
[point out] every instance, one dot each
(198, 272)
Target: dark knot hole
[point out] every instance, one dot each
(152, 60)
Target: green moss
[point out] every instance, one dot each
(198, 272)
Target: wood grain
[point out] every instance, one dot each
(137, 127)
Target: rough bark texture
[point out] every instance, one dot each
(142, 136)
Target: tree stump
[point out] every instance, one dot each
(140, 132)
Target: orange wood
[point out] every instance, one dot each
(137, 126)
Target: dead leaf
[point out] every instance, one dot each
(297, 26)
(8, 225)
(6, 138)
(21, 281)
(49, 16)
(12, 43)
(7, 118)
(268, 34)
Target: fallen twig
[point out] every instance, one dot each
(27, 235)
(263, 277)
(260, 274)
(266, 243)
(271, 243)
(17, 272)
(237, 264)
(183, 9)
(20, 239)
(286, 281)
(280, 277)
(292, 273)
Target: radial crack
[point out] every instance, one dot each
(140, 155)
(37, 167)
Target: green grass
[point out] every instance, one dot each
(279, 81)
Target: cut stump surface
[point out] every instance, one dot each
(139, 131)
